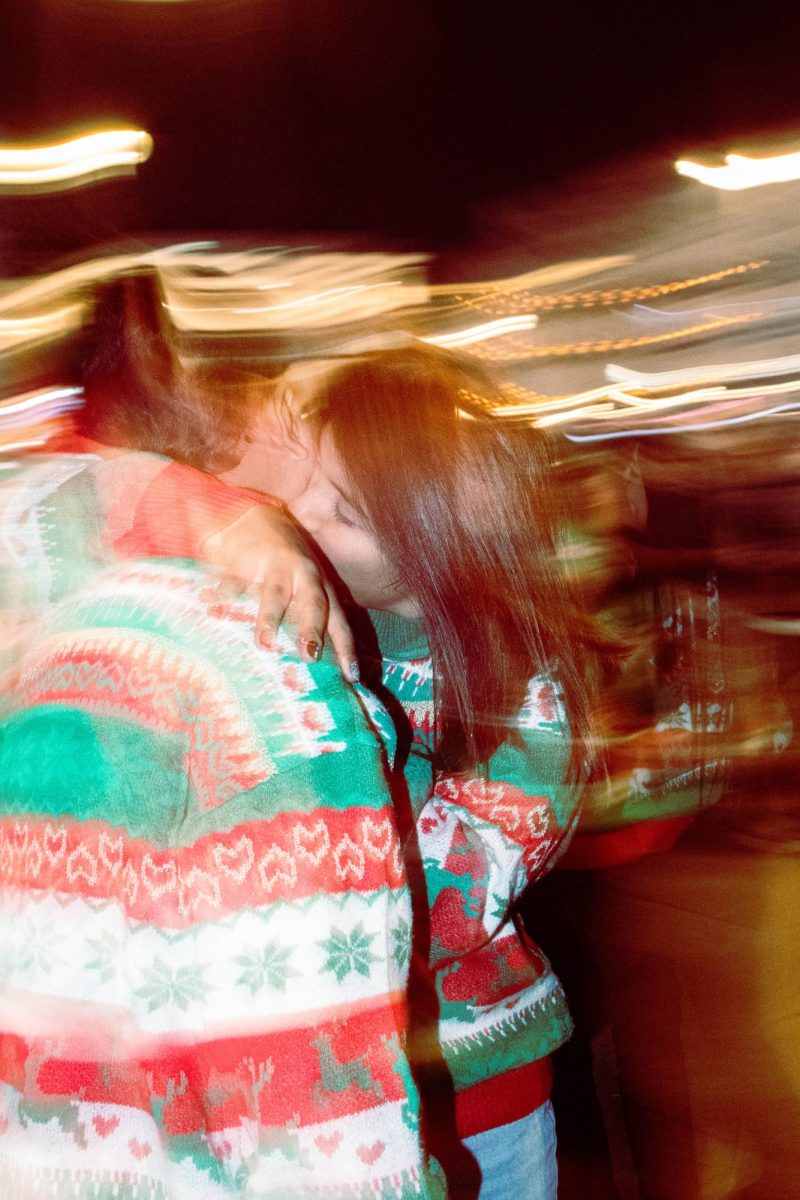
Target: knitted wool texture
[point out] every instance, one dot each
(201, 985)
(483, 837)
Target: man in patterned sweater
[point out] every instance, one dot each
(202, 902)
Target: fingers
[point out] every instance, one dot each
(317, 611)
(341, 636)
(274, 599)
(311, 607)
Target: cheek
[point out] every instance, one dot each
(356, 560)
(296, 480)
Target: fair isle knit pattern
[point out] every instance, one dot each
(200, 994)
(483, 838)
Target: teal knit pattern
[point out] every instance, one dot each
(201, 887)
(483, 838)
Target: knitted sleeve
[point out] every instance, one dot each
(485, 836)
(164, 509)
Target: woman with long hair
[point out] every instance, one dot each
(442, 523)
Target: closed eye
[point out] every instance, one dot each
(344, 518)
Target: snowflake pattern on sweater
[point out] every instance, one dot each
(483, 839)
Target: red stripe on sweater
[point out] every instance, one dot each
(506, 1098)
(526, 820)
(287, 858)
(315, 1073)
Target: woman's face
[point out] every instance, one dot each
(345, 538)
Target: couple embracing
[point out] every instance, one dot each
(258, 886)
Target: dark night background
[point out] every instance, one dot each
(371, 115)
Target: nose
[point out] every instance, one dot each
(305, 511)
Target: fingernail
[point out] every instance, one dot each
(312, 649)
(266, 640)
(353, 672)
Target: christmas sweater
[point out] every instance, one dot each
(203, 909)
(483, 837)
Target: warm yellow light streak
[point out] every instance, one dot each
(80, 158)
(59, 282)
(716, 372)
(232, 293)
(38, 399)
(610, 403)
(741, 172)
(589, 410)
(484, 331)
(542, 277)
(514, 295)
(9, 447)
(15, 331)
(520, 351)
(331, 296)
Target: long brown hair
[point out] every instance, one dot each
(138, 394)
(465, 507)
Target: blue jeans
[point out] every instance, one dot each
(518, 1161)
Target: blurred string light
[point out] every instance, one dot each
(39, 328)
(514, 350)
(741, 172)
(761, 368)
(780, 410)
(41, 402)
(260, 291)
(710, 407)
(516, 294)
(75, 162)
(542, 277)
(483, 332)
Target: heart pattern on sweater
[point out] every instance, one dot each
(312, 844)
(104, 1125)
(234, 861)
(55, 843)
(378, 837)
(110, 851)
(329, 1144)
(370, 1154)
(158, 878)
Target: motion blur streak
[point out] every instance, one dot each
(781, 410)
(29, 419)
(758, 369)
(78, 161)
(482, 333)
(36, 404)
(514, 294)
(741, 172)
(40, 327)
(516, 351)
